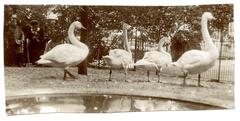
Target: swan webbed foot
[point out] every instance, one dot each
(199, 85)
(71, 75)
(127, 80)
(183, 84)
(74, 77)
(110, 78)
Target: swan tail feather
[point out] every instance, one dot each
(106, 57)
(43, 62)
(140, 63)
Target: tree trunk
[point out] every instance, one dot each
(220, 55)
(82, 67)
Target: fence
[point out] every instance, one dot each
(223, 69)
(226, 71)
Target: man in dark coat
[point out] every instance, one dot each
(14, 44)
(35, 41)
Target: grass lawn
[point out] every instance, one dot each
(43, 80)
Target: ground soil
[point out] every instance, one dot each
(23, 81)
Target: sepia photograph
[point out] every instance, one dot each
(117, 59)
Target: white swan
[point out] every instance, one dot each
(198, 61)
(120, 58)
(154, 60)
(66, 55)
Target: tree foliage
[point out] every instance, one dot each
(154, 20)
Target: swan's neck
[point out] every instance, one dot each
(160, 45)
(74, 40)
(210, 47)
(125, 40)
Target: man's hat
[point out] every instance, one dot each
(34, 23)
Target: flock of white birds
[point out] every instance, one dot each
(191, 62)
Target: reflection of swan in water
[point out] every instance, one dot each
(144, 105)
(167, 105)
(174, 105)
(62, 104)
(53, 108)
(158, 105)
(117, 104)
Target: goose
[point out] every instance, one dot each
(156, 59)
(66, 55)
(198, 61)
(120, 58)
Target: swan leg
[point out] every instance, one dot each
(148, 73)
(125, 73)
(199, 79)
(71, 75)
(159, 77)
(65, 74)
(159, 74)
(184, 79)
(110, 75)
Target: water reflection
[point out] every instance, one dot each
(118, 104)
(96, 104)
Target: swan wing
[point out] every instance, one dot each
(151, 56)
(119, 53)
(146, 65)
(63, 54)
(123, 55)
(193, 58)
(158, 58)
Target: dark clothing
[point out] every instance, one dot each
(182, 42)
(36, 43)
(14, 46)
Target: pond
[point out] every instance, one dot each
(76, 103)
